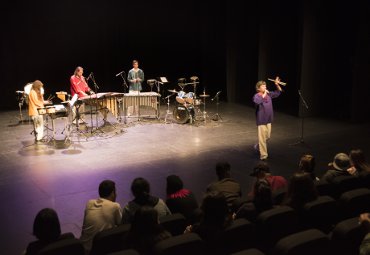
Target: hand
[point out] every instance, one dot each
(277, 80)
(188, 229)
(352, 170)
(364, 220)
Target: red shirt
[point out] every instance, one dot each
(276, 182)
(78, 86)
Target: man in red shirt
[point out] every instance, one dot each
(80, 87)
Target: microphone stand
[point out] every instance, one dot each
(217, 116)
(125, 87)
(96, 87)
(305, 105)
(158, 84)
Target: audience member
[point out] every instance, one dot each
(359, 165)
(307, 165)
(46, 228)
(225, 184)
(301, 190)
(261, 202)
(215, 217)
(338, 167)
(102, 213)
(140, 188)
(145, 231)
(262, 171)
(180, 200)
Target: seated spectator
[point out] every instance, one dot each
(225, 184)
(364, 220)
(338, 167)
(262, 171)
(145, 231)
(140, 188)
(307, 165)
(261, 202)
(216, 217)
(102, 213)
(180, 200)
(301, 190)
(359, 165)
(46, 228)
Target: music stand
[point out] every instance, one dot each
(305, 105)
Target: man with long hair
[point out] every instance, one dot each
(35, 101)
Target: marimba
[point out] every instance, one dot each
(138, 99)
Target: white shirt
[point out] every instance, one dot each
(100, 214)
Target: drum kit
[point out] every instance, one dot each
(188, 104)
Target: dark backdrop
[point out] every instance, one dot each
(320, 48)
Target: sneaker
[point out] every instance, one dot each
(256, 147)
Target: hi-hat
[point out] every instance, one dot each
(203, 95)
(172, 90)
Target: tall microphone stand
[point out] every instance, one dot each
(217, 116)
(96, 87)
(125, 88)
(305, 105)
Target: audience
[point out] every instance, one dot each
(215, 217)
(225, 184)
(145, 231)
(301, 190)
(140, 188)
(262, 172)
(102, 213)
(307, 165)
(180, 200)
(46, 228)
(338, 167)
(261, 202)
(359, 165)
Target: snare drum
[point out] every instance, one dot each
(50, 109)
(41, 110)
(183, 113)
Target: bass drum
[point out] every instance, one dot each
(183, 114)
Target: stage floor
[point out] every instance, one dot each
(65, 175)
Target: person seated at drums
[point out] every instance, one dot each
(80, 87)
(35, 102)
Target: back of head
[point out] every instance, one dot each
(262, 195)
(215, 209)
(341, 162)
(37, 85)
(307, 163)
(357, 158)
(106, 188)
(174, 184)
(46, 226)
(301, 189)
(223, 170)
(140, 188)
(261, 168)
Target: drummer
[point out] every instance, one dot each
(35, 102)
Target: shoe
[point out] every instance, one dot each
(256, 147)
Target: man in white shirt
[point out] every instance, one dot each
(102, 213)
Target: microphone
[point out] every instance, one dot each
(88, 77)
(216, 95)
(119, 73)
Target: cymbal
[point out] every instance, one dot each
(172, 90)
(203, 95)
